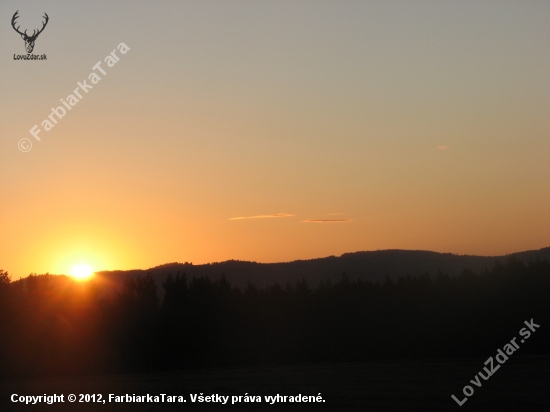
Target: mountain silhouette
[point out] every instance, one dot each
(372, 266)
(176, 316)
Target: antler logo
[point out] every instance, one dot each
(29, 40)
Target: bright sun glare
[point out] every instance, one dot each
(81, 272)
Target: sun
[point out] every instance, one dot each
(81, 272)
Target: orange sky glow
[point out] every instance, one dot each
(274, 131)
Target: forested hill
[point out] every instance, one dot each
(56, 325)
(372, 266)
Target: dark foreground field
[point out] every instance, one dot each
(521, 384)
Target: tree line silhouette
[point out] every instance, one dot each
(54, 325)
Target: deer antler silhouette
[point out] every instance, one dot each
(29, 40)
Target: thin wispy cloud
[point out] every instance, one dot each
(262, 216)
(327, 220)
(334, 214)
(445, 147)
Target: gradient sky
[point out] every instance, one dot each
(325, 126)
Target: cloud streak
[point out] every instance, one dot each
(327, 220)
(262, 216)
(445, 147)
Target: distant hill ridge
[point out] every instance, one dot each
(368, 265)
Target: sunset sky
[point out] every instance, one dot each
(273, 131)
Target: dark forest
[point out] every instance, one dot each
(54, 325)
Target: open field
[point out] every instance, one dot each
(521, 384)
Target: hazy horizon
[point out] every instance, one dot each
(164, 264)
(273, 131)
